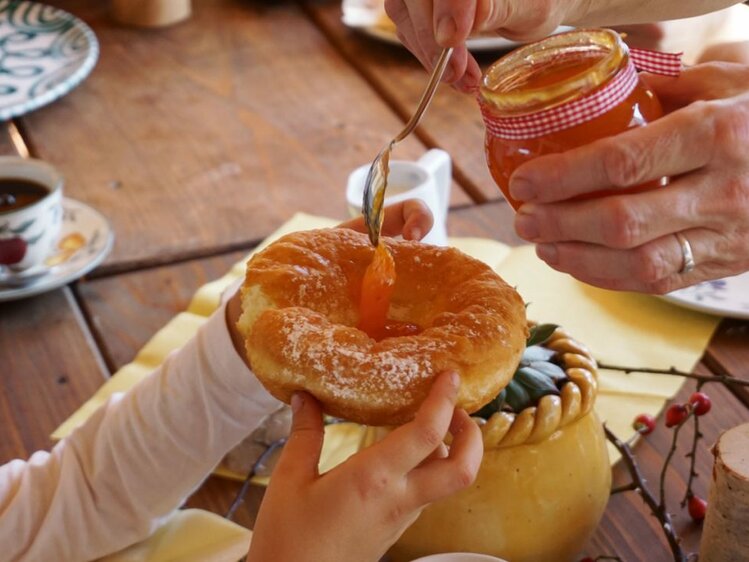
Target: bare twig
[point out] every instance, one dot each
(658, 511)
(625, 488)
(725, 379)
(669, 456)
(248, 480)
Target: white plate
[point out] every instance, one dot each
(474, 44)
(44, 53)
(723, 297)
(368, 16)
(81, 226)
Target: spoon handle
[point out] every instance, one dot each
(426, 97)
(377, 178)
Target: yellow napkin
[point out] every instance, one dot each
(620, 328)
(189, 535)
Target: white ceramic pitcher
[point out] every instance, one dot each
(428, 179)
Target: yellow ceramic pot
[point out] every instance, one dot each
(543, 483)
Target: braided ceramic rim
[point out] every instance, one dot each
(536, 423)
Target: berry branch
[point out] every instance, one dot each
(658, 511)
(677, 416)
(701, 405)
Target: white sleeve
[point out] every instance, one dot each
(136, 459)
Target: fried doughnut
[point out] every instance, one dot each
(300, 310)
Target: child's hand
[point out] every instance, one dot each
(358, 510)
(411, 218)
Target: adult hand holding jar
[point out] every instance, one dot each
(654, 241)
(594, 200)
(426, 26)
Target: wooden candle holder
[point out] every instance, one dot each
(725, 536)
(150, 13)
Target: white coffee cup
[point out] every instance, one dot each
(459, 557)
(32, 229)
(428, 179)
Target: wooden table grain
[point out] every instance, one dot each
(197, 141)
(244, 125)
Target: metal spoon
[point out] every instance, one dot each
(376, 182)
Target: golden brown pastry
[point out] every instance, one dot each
(300, 308)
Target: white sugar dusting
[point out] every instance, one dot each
(345, 366)
(313, 283)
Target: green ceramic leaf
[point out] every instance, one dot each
(537, 353)
(539, 334)
(517, 396)
(536, 383)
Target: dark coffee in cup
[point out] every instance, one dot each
(17, 193)
(30, 211)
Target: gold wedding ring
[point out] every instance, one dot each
(686, 253)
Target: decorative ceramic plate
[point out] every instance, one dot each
(44, 53)
(723, 297)
(369, 17)
(85, 240)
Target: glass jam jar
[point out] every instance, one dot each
(562, 92)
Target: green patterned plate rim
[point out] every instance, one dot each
(44, 53)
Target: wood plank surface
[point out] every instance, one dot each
(729, 353)
(453, 121)
(207, 135)
(127, 309)
(48, 367)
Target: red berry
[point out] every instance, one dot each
(644, 424)
(676, 414)
(12, 250)
(701, 403)
(697, 508)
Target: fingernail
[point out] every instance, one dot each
(297, 401)
(526, 225)
(522, 189)
(415, 234)
(446, 29)
(548, 253)
(454, 379)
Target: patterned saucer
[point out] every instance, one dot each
(723, 297)
(44, 53)
(85, 240)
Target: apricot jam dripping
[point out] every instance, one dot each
(376, 291)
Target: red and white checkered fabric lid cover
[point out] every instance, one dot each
(584, 109)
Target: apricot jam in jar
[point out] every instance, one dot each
(560, 93)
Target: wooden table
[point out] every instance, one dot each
(199, 140)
